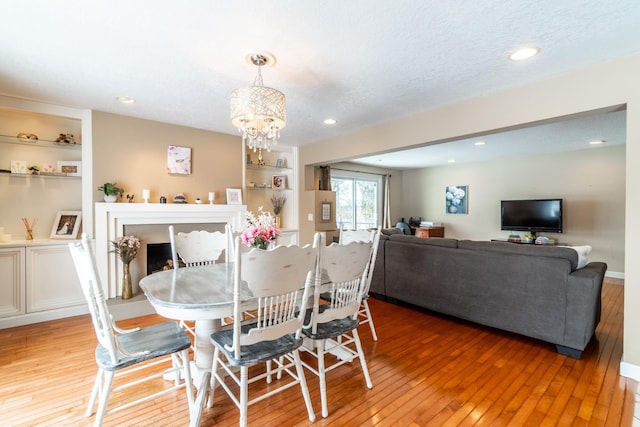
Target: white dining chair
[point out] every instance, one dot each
(348, 236)
(199, 247)
(277, 284)
(129, 354)
(332, 325)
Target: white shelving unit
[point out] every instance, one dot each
(39, 281)
(260, 183)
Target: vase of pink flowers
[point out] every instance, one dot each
(260, 230)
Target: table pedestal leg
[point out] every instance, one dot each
(203, 355)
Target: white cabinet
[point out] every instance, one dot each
(38, 283)
(276, 177)
(52, 281)
(12, 281)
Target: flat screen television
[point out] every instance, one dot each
(535, 216)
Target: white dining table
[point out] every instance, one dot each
(203, 294)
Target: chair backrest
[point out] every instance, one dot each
(373, 236)
(348, 236)
(346, 267)
(85, 263)
(280, 281)
(199, 247)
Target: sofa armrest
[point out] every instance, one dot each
(584, 292)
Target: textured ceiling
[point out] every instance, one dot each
(362, 62)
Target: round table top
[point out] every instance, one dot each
(193, 293)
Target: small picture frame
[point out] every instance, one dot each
(325, 212)
(70, 168)
(280, 163)
(66, 225)
(18, 166)
(234, 196)
(279, 182)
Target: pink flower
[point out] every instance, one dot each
(260, 230)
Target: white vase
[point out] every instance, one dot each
(110, 199)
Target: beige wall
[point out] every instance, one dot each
(599, 86)
(133, 153)
(590, 182)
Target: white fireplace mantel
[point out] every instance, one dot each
(111, 219)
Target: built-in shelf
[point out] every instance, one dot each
(39, 142)
(267, 167)
(268, 188)
(40, 175)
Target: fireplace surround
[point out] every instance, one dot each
(150, 222)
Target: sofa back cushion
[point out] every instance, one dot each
(523, 249)
(390, 231)
(435, 241)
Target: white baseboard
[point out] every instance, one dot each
(119, 309)
(629, 370)
(42, 316)
(614, 274)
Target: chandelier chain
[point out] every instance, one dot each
(257, 81)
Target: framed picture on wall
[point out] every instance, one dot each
(66, 225)
(325, 212)
(456, 199)
(178, 160)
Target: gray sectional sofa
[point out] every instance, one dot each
(532, 290)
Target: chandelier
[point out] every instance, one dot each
(257, 111)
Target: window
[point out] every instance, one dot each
(358, 199)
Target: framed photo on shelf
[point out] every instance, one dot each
(66, 225)
(280, 163)
(234, 196)
(70, 168)
(279, 182)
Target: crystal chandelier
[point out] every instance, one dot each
(257, 111)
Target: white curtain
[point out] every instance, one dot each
(386, 204)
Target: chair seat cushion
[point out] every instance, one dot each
(332, 329)
(159, 340)
(255, 353)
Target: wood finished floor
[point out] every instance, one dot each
(427, 370)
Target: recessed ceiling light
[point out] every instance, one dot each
(451, 160)
(478, 143)
(598, 142)
(524, 53)
(329, 121)
(125, 100)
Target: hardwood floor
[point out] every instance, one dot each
(427, 370)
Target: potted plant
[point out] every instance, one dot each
(111, 191)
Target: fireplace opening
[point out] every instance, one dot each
(159, 257)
